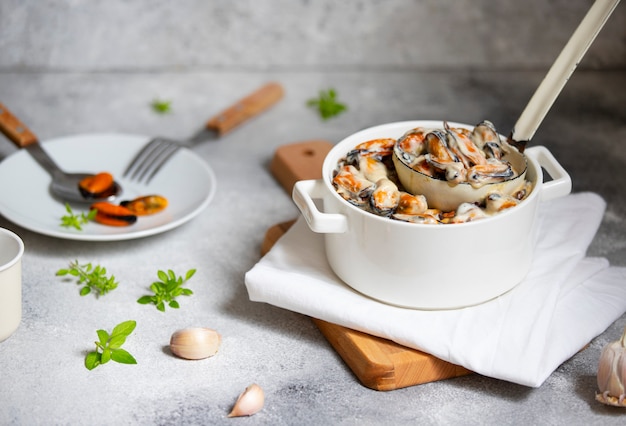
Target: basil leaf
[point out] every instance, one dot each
(124, 328)
(103, 337)
(92, 360)
(123, 357)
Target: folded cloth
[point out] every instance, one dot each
(522, 336)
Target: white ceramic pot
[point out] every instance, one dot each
(427, 266)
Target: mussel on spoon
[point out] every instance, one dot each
(69, 187)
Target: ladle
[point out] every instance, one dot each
(445, 196)
(560, 72)
(64, 185)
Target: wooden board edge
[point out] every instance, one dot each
(378, 363)
(384, 365)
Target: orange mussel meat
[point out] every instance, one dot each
(96, 186)
(113, 215)
(146, 205)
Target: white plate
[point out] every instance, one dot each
(185, 180)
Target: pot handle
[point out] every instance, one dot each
(324, 223)
(561, 183)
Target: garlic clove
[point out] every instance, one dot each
(195, 343)
(612, 373)
(249, 402)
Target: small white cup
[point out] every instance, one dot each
(11, 251)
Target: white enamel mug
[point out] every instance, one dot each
(11, 251)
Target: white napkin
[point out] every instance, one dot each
(522, 337)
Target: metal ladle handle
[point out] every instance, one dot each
(560, 72)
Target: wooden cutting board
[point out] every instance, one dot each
(378, 363)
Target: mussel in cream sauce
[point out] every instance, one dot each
(366, 177)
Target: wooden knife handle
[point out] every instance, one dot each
(246, 108)
(13, 129)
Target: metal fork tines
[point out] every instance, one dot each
(151, 158)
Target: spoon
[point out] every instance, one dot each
(64, 186)
(560, 72)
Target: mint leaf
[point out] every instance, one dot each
(106, 356)
(123, 357)
(144, 300)
(327, 104)
(90, 277)
(92, 360)
(161, 106)
(108, 346)
(103, 336)
(117, 341)
(167, 290)
(124, 328)
(74, 220)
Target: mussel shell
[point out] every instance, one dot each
(448, 196)
(385, 198)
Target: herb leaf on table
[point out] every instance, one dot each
(109, 346)
(167, 290)
(327, 104)
(92, 278)
(161, 106)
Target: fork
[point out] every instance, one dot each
(151, 158)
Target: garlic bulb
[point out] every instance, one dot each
(195, 343)
(612, 373)
(249, 402)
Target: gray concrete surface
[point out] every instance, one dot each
(323, 34)
(79, 67)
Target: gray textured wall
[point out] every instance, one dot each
(249, 35)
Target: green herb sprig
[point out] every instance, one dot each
(90, 277)
(74, 220)
(167, 290)
(327, 104)
(161, 106)
(109, 346)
